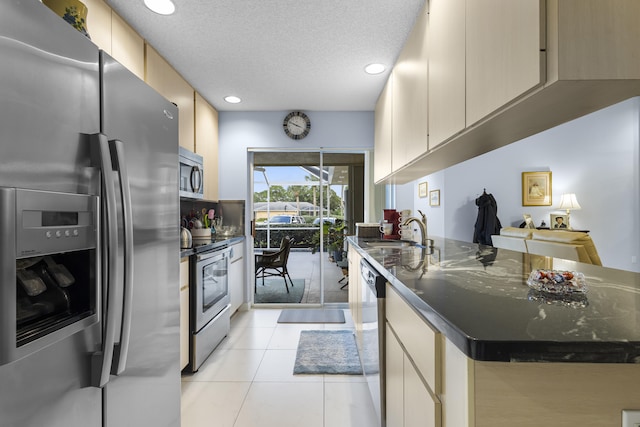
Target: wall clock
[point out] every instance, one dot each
(296, 125)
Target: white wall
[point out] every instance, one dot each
(596, 156)
(239, 131)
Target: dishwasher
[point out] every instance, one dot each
(372, 340)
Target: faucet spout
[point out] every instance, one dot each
(422, 224)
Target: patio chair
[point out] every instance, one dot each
(274, 263)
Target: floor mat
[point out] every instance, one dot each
(274, 291)
(311, 315)
(327, 352)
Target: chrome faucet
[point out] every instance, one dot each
(422, 224)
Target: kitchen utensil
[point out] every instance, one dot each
(195, 223)
(185, 238)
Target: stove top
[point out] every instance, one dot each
(199, 245)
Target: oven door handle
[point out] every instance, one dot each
(121, 349)
(101, 360)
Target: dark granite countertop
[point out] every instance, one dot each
(203, 245)
(478, 298)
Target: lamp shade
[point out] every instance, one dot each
(569, 202)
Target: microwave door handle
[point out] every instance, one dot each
(101, 361)
(122, 349)
(196, 179)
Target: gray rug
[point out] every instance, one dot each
(274, 291)
(311, 315)
(327, 352)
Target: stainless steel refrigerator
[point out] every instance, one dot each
(89, 208)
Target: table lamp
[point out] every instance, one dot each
(569, 202)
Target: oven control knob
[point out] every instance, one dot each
(58, 233)
(75, 232)
(48, 234)
(67, 233)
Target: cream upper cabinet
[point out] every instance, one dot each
(162, 77)
(383, 133)
(447, 83)
(207, 144)
(504, 39)
(127, 47)
(607, 48)
(113, 35)
(410, 101)
(99, 23)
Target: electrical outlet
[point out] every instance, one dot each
(630, 418)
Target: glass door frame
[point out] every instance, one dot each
(250, 209)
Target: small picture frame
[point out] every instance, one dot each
(536, 189)
(422, 189)
(528, 221)
(559, 221)
(434, 198)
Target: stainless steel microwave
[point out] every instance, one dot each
(191, 175)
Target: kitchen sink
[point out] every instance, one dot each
(383, 244)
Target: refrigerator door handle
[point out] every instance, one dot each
(122, 349)
(101, 361)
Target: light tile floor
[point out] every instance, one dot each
(248, 381)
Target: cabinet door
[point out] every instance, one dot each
(410, 97)
(420, 408)
(184, 312)
(503, 56)
(162, 77)
(446, 42)
(382, 133)
(394, 362)
(99, 24)
(237, 284)
(354, 285)
(127, 47)
(206, 135)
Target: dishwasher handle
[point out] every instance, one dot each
(372, 278)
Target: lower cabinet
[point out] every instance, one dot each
(409, 400)
(354, 288)
(184, 312)
(412, 371)
(432, 383)
(237, 284)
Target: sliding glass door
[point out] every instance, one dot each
(312, 205)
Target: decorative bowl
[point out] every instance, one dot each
(557, 282)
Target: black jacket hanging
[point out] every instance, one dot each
(487, 222)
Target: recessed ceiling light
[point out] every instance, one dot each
(374, 68)
(161, 7)
(232, 99)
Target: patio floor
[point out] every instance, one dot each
(303, 264)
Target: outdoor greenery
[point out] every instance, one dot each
(300, 193)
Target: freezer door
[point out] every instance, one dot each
(145, 387)
(49, 87)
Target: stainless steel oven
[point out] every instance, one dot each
(48, 267)
(191, 175)
(210, 303)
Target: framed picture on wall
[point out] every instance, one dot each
(434, 198)
(422, 189)
(559, 221)
(536, 189)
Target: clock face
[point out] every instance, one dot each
(296, 125)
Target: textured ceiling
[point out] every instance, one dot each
(279, 54)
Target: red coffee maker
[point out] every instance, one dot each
(393, 217)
